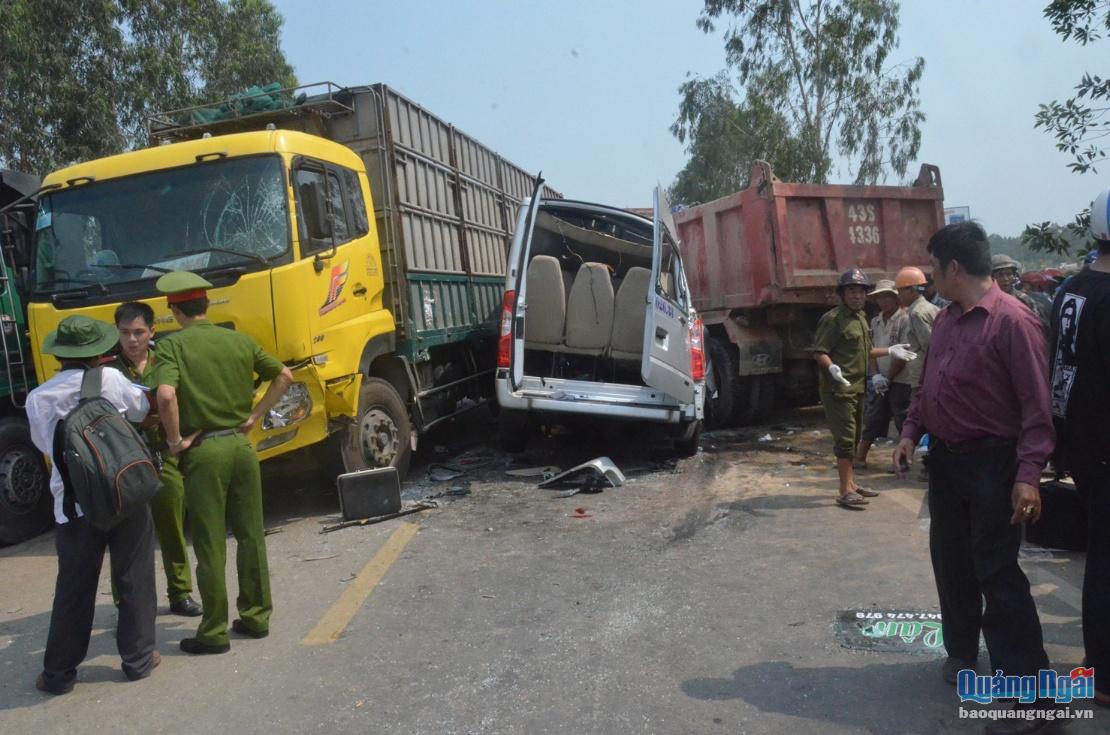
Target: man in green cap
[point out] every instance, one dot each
(205, 378)
(78, 343)
(136, 359)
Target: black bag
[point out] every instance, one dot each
(107, 465)
(1063, 521)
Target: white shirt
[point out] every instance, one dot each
(53, 400)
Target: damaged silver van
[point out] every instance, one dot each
(597, 322)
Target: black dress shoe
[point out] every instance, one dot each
(54, 688)
(950, 670)
(186, 607)
(192, 645)
(241, 628)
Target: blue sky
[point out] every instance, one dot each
(586, 91)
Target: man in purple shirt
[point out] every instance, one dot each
(984, 400)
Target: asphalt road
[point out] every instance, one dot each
(701, 597)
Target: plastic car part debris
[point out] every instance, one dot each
(593, 475)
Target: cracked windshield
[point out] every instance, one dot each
(194, 218)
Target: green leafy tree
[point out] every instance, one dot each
(79, 76)
(1079, 124)
(821, 72)
(725, 138)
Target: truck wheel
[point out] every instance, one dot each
(381, 435)
(514, 431)
(26, 505)
(722, 363)
(757, 399)
(686, 442)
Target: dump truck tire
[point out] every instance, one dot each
(26, 504)
(719, 410)
(756, 399)
(381, 434)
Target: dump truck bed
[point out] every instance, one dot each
(781, 243)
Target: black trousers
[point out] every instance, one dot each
(1092, 479)
(80, 549)
(974, 550)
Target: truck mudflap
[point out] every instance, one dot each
(759, 348)
(299, 419)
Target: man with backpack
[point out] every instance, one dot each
(84, 533)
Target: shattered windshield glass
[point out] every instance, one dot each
(231, 212)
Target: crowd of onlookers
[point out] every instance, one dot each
(1003, 382)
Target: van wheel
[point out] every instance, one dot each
(26, 505)
(514, 430)
(381, 434)
(722, 366)
(756, 399)
(686, 443)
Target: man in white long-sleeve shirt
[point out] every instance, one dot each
(78, 343)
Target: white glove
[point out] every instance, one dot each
(902, 352)
(879, 384)
(838, 376)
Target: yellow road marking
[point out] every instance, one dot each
(333, 623)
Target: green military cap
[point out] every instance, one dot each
(182, 286)
(1001, 261)
(80, 337)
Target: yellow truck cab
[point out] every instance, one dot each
(381, 298)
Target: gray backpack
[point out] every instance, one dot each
(105, 462)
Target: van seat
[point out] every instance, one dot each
(590, 311)
(630, 312)
(547, 307)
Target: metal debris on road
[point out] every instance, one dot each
(444, 473)
(545, 472)
(455, 492)
(319, 558)
(271, 531)
(409, 510)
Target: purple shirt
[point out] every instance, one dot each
(985, 376)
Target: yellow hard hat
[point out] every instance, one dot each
(909, 276)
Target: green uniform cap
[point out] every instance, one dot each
(80, 337)
(181, 282)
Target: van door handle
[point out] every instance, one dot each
(660, 333)
(359, 291)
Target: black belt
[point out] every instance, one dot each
(212, 434)
(976, 445)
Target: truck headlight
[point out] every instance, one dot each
(293, 406)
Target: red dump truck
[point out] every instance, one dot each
(762, 265)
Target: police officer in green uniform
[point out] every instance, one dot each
(842, 348)
(135, 322)
(205, 377)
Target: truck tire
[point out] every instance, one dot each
(756, 399)
(514, 431)
(719, 410)
(687, 440)
(381, 434)
(26, 505)
(797, 384)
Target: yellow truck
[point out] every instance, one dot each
(353, 234)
